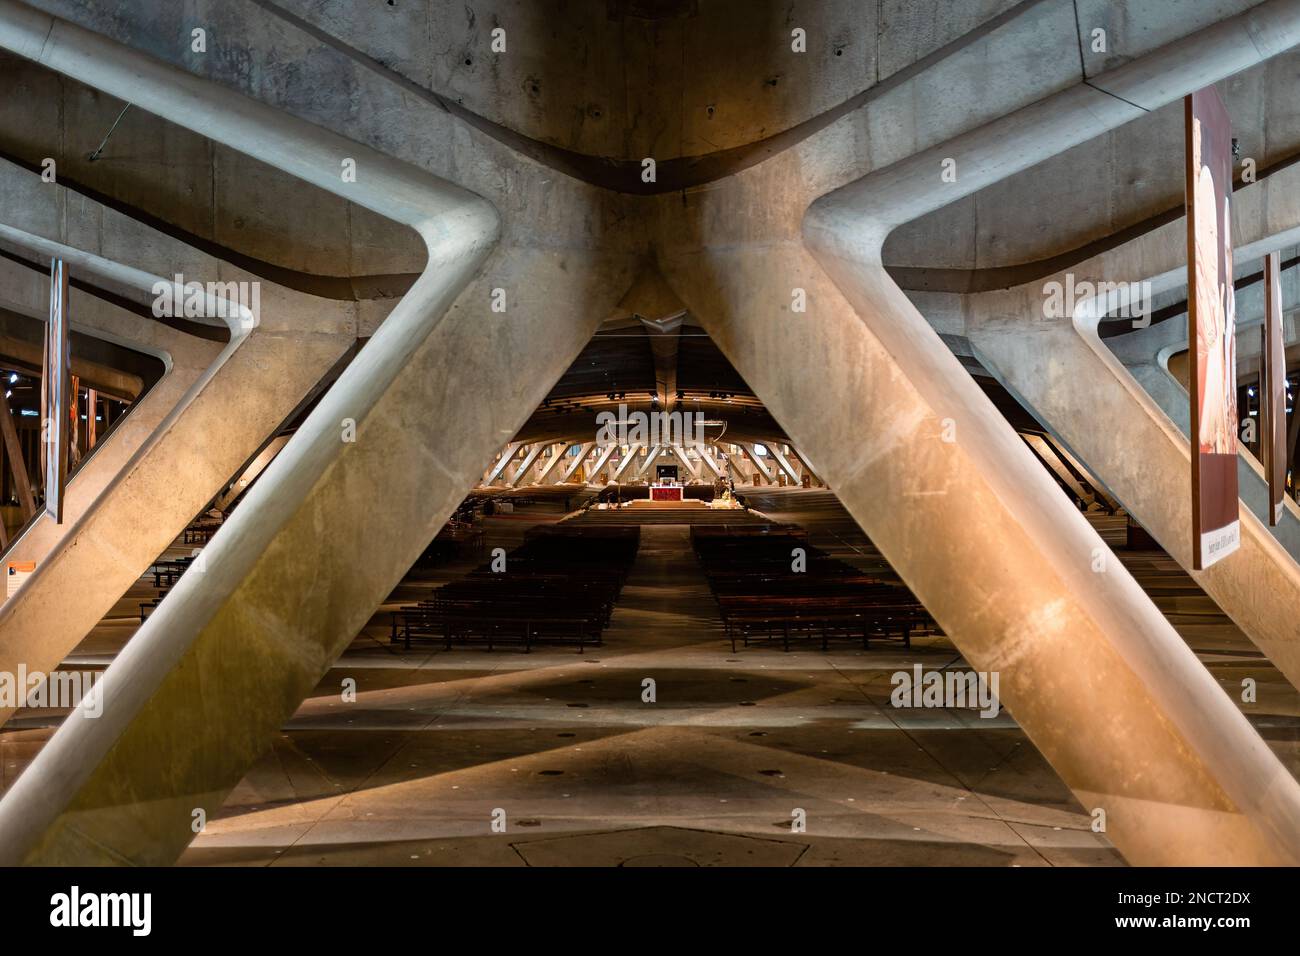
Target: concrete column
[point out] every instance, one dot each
(138, 499)
(1057, 467)
(633, 452)
(186, 358)
(691, 469)
(760, 466)
(809, 469)
(251, 473)
(784, 464)
(553, 461)
(1084, 393)
(529, 458)
(583, 450)
(952, 497)
(651, 457)
(503, 462)
(593, 473)
(707, 459)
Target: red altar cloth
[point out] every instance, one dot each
(665, 494)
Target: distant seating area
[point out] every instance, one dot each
(761, 597)
(557, 588)
(455, 540)
(201, 529)
(166, 572)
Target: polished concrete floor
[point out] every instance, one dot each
(564, 752)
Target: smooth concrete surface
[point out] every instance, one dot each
(142, 496)
(458, 230)
(1078, 388)
(874, 418)
(985, 539)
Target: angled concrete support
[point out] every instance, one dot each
(784, 464)
(530, 457)
(692, 468)
(583, 451)
(808, 469)
(957, 503)
(279, 597)
(633, 452)
(13, 453)
(707, 458)
(251, 473)
(186, 358)
(507, 456)
(553, 461)
(131, 504)
(1047, 454)
(1073, 381)
(651, 457)
(1099, 491)
(593, 473)
(760, 466)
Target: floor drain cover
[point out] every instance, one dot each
(550, 773)
(758, 733)
(743, 703)
(772, 773)
(566, 735)
(659, 859)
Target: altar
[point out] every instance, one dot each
(665, 492)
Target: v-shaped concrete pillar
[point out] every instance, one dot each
(1080, 389)
(1090, 669)
(408, 425)
(129, 506)
(186, 358)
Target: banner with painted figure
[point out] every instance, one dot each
(1272, 389)
(55, 393)
(1216, 525)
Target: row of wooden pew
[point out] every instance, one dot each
(559, 587)
(767, 590)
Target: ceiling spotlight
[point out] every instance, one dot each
(13, 377)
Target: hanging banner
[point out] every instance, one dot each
(1272, 389)
(55, 393)
(1216, 525)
